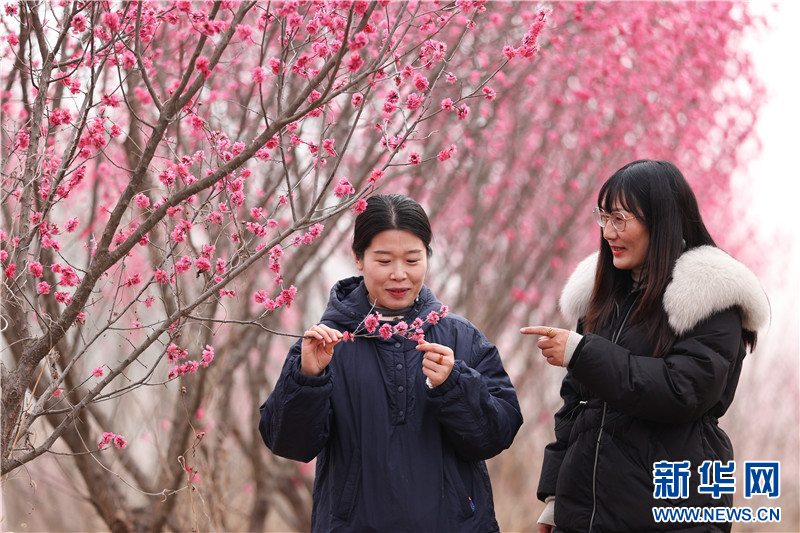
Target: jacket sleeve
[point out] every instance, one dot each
(478, 406)
(677, 388)
(555, 451)
(295, 418)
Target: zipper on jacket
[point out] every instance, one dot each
(602, 425)
(594, 468)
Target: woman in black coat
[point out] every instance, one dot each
(664, 321)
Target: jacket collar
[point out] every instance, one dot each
(348, 304)
(705, 280)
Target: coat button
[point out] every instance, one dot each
(397, 345)
(399, 366)
(400, 388)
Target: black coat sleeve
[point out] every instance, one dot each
(554, 452)
(678, 388)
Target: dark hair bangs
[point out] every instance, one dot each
(619, 191)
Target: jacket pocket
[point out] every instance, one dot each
(457, 495)
(345, 500)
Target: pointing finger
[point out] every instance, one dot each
(536, 330)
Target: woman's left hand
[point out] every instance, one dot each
(552, 343)
(438, 361)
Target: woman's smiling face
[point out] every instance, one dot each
(394, 267)
(628, 247)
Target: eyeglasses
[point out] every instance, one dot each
(617, 220)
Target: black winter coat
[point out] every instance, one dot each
(625, 410)
(392, 454)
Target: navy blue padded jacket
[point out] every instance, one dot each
(393, 454)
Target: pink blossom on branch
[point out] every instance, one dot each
(414, 101)
(444, 155)
(78, 23)
(202, 264)
(208, 355)
(142, 201)
(63, 297)
(162, 277)
(35, 269)
(375, 322)
(71, 225)
(327, 145)
(286, 297)
(112, 438)
(354, 63)
(360, 206)
(274, 64)
(111, 20)
(372, 322)
(385, 331)
(259, 75)
(132, 280)
(174, 352)
(344, 188)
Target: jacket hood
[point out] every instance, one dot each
(349, 305)
(705, 280)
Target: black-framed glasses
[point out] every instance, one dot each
(616, 218)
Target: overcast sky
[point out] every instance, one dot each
(773, 190)
(776, 191)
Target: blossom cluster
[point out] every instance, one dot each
(111, 438)
(176, 354)
(413, 331)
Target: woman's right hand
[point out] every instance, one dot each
(316, 350)
(546, 521)
(552, 342)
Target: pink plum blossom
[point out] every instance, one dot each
(385, 331)
(35, 269)
(344, 188)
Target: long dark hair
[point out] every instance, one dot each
(386, 212)
(660, 197)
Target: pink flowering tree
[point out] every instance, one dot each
(154, 153)
(179, 185)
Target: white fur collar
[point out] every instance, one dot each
(705, 280)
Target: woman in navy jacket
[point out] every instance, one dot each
(664, 321)
(400, 428)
